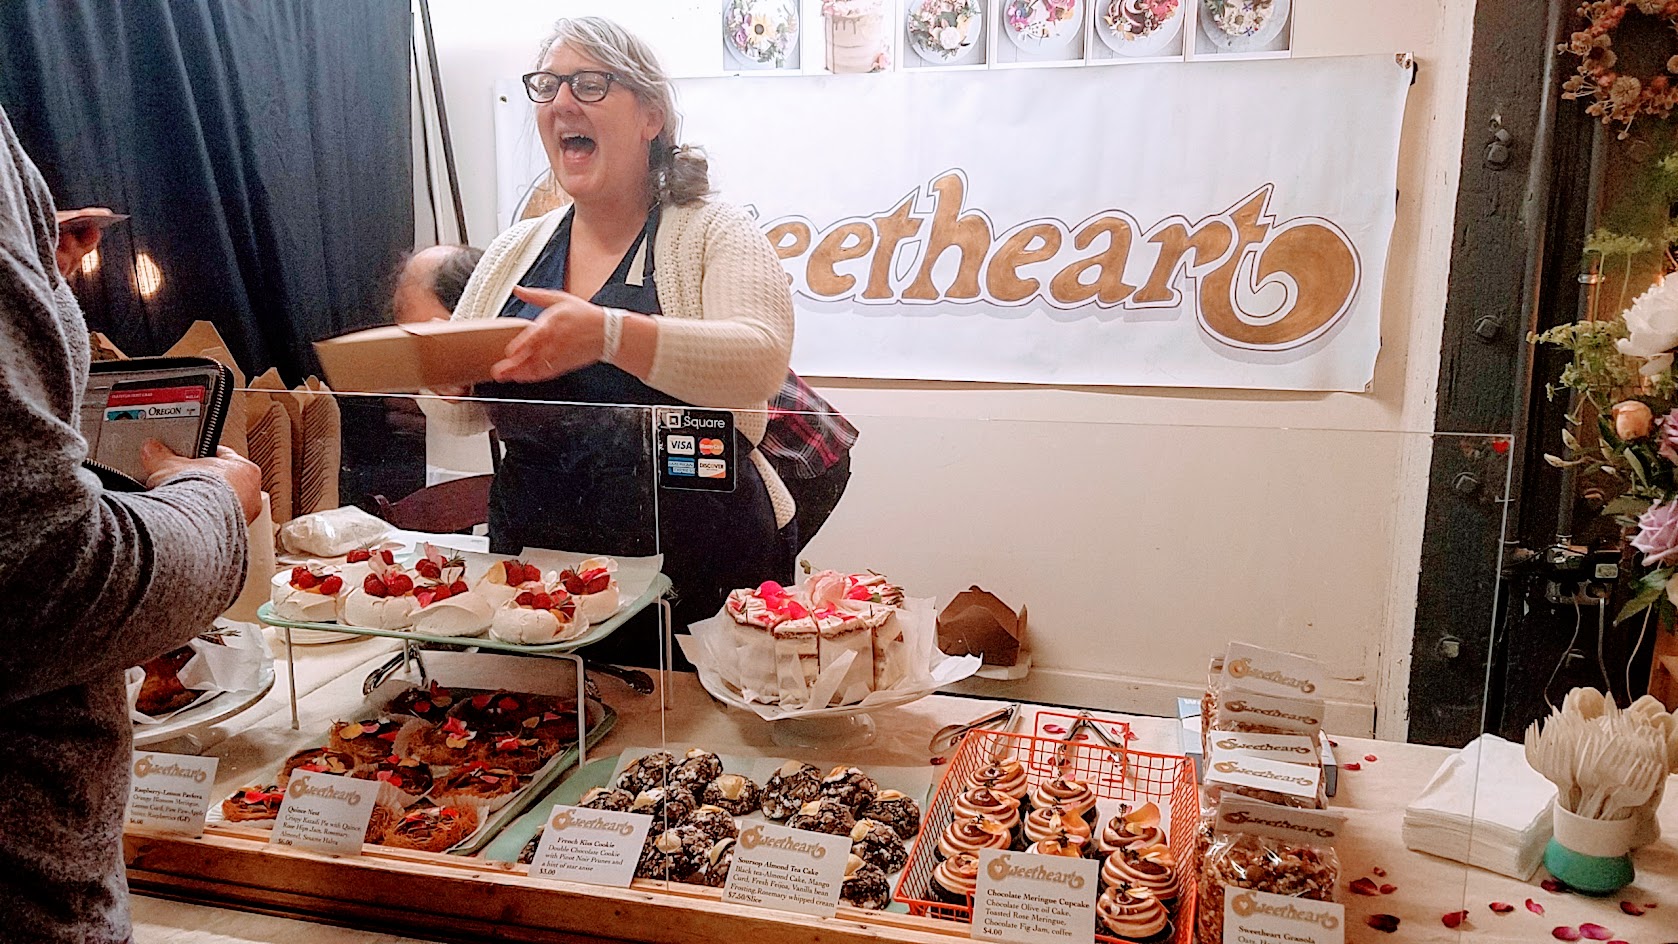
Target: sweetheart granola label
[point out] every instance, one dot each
(325, 813)
(1025, 897)
(598, 847)
(788, 869)
(1244, 770)
(1254, 917)
(1268, 672)
(170, 792)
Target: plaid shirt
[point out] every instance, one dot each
(805, 430)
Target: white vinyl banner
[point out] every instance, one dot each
(1206, 224)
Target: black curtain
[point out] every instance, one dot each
(262, 147)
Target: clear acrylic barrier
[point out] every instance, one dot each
(1139, 552)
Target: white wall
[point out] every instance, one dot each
(1144, 528)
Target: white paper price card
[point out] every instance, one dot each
(1024, 897)
(325, 813)
(1262, 918)
(788, 869)
(170, 792)
(599, 847)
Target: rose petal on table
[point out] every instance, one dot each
(1053, 729)
(1384, 923)
(1388, 889)
(1534, 907)
(1501, 907)
(1378, 872)
(1333, 743)
(1595, 932)
(1364, 886)
(1351, 766)
(1565, 934)
(1370, 758)
(1632, 908)
(1554, 886)
(1454, 919)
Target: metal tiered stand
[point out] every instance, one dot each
(656, 592)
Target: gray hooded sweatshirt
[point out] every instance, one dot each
(90, 583)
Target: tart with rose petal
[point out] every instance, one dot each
(432, 828)
(367, 741)
(252, 804)
(320, 760)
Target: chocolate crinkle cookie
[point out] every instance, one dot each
(646, 772)
(714, 822)
(668, 806)
(608, 798)
(696, 769)
(791, 787)
(734, 793)
(896, 810)
(674, 854)
(718, 860)
(865, 886)
(824, 816)
(878, 844)
(527, 855)
(850, 786)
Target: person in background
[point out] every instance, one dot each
(807, 440)
(96, 581)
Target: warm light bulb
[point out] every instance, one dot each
(147, 276)
(90, 262)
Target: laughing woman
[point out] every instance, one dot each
(641, 292)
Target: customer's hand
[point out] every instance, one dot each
(569, 334)
(246, 478)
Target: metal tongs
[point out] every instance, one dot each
(1085, 721)
(950, 735)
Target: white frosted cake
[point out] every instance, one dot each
(788, 637)
(856, 36)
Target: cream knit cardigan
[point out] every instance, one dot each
(726, 335)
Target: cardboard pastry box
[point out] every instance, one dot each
(405, 358)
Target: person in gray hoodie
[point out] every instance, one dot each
(91, 582)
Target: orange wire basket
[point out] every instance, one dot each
(1130, 776)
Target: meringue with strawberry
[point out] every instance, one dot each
(358, 564)
(538, 617)
(506, 579)
(308, 593)
(595, 589)
(384, 600)
(447, 605)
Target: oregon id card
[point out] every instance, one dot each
(696, 449)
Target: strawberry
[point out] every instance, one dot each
(457, 588)
(358, 556)
(428, 569)
(399, 583)
(426, 596)
(388, 557)
(523, 573)
(297, 575)
(331, 584)
(525, 599)
(541, 600)
(480, 702)
(598, 582)
(572, 582)
(374, 587)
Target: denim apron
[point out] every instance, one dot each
(583, 477)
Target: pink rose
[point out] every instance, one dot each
(1657, 533)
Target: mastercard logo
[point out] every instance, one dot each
(710, 447)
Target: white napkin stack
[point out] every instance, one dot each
(1485, 807)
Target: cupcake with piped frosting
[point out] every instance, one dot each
(1132, 827)
(1146, 867)
(1048, 822)
(973, 834)
(1072, 795)
(955, 878)
(1133, 914)
(983, 801)
(1006, 777)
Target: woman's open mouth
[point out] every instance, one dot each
(576, 145)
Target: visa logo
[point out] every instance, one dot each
(680, 445)
(713, 469)
(681, 467)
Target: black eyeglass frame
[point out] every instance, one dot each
(571, 80)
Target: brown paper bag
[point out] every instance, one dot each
(261, 567)
(321, 447)
(203, 340)
(977, 622)
(101, 348)
(270, 380)
(269, 435)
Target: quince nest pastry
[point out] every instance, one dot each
(786, 637)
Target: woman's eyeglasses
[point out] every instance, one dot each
(587, 86)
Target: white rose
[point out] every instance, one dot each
(949, 38)
(1653, 322)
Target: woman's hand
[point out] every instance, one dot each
(569, 334)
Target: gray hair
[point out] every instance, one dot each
(677, 174)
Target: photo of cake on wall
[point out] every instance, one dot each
(1040, 31)
(945, 33)
(857, 40)
(760, 34)
(1257, 28)
(1139, 29)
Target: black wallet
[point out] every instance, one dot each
(180, 401)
